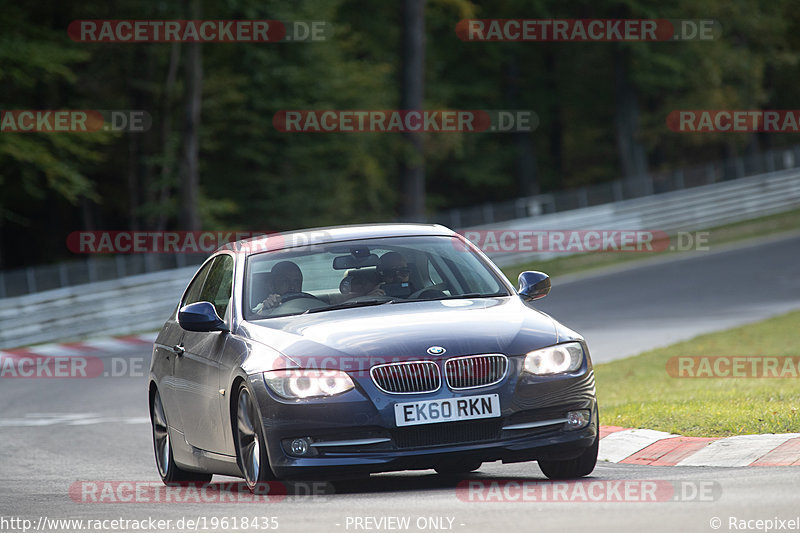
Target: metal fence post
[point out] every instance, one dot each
(91, 269)
(63, 279)
(710, 174)
(521, 208)
(455, 218)
(739, 165)
(488, 213)
(30, 277)
(119, 262)
(678, 180)
(616, 188)
(148, 262)
(583, 197)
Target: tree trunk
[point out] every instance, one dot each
(189, 218)
(633, 157)
(525, 156)
(133, 181)
(412, 169)
(556, 129)
(87, 219)
(166, 129)
(137, 179)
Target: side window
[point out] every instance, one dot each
(193, 292)
(218, 284)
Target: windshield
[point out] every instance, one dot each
(364, 273)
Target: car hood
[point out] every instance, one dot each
(402, 331)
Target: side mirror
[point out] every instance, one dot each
(200, 316)
(533, 285)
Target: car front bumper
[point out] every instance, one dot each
(353, 435)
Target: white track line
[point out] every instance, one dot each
(622, 444)
(740, 450)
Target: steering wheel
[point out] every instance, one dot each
(289, 296)
(434, 290)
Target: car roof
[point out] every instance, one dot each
(329, 234)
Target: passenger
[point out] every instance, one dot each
(361, 283)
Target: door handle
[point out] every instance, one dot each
(178, 349)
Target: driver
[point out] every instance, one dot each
(392, 268)
(394, 272)
(286, 279)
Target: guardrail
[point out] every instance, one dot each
(734, 168)
(143, 302)
(121, 306)
(98, 268)
(94, 268)
(691, 209)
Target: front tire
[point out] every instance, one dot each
(251, 448)
(170, 472)
(581, 466)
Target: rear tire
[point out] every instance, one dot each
(251, 447)
(581, 466)
(170, 472)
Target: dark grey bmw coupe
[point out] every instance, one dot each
(349, 350)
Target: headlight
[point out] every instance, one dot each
(554, 359)
(299, 383)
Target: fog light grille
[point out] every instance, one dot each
(447, 433)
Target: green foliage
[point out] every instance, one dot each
(638, 392)
(35, 63)
(254, 177)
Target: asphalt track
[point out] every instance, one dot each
(57, 433)
(636, 307)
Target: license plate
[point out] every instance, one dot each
(447, 410)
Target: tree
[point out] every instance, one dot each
(411, 97)
(190, 180)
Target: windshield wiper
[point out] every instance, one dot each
(467, 295)
(349, 305)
